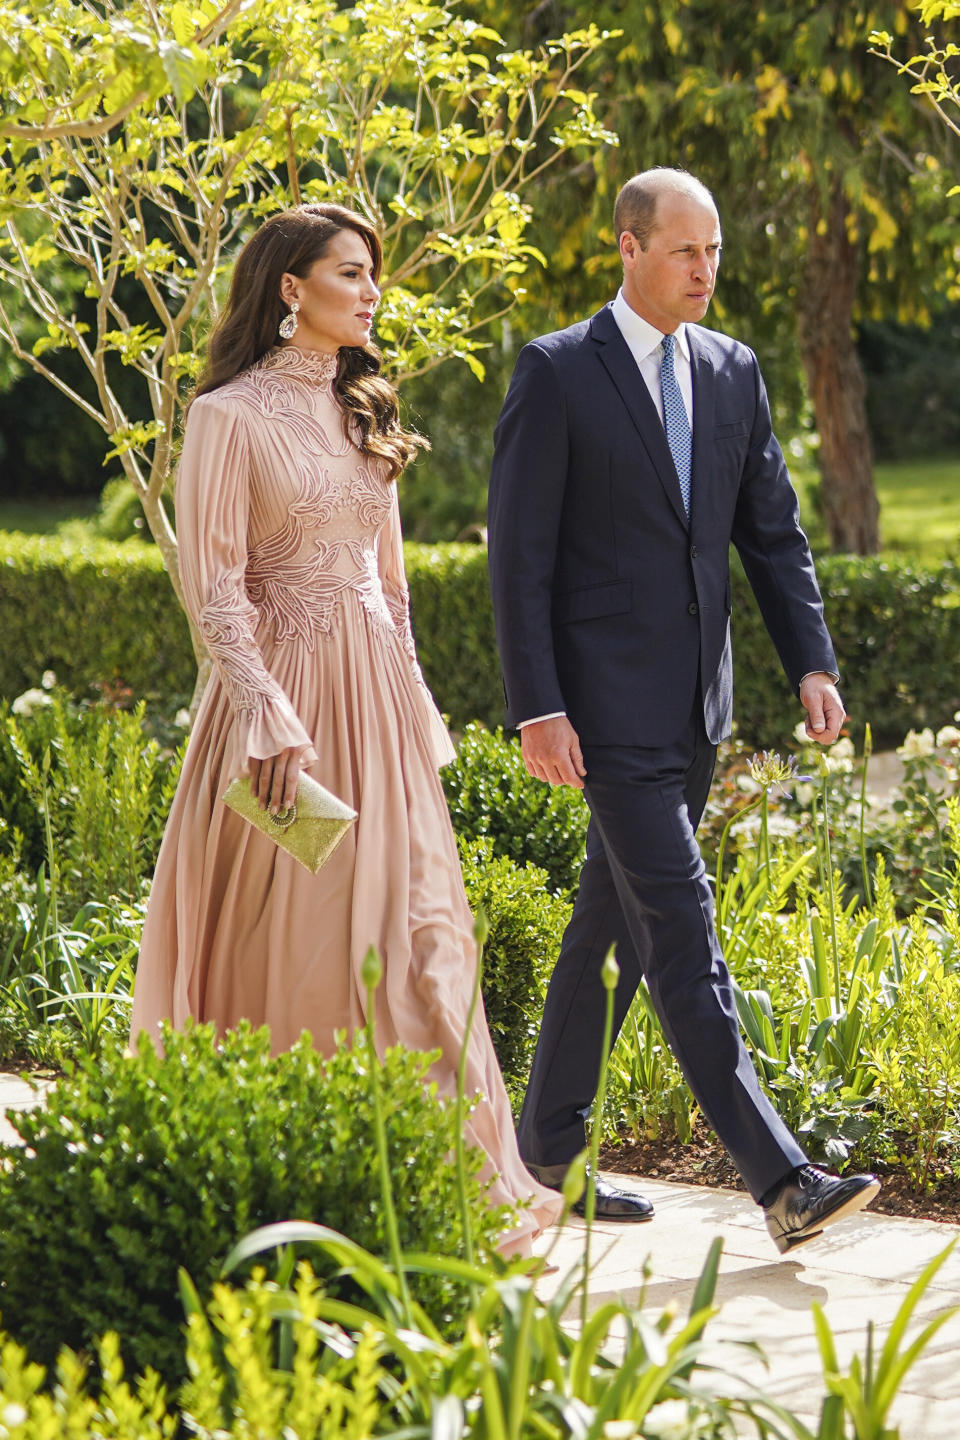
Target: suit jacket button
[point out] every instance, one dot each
(694, 552)
(693, 608)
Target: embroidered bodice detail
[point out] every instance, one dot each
(324, 547)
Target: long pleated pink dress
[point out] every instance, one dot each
(292, 568)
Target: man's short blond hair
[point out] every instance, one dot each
(636, 207)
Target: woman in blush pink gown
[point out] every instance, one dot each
(292, 568)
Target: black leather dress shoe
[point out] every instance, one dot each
(612, 1204)
(809, 1200)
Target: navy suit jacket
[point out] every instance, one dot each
(609, 603)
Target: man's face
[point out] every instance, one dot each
(672, 280)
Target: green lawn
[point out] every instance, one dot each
(44, 517)
(920, 506)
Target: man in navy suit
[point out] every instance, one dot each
(631, 451)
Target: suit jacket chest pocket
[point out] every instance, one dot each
(728, 450)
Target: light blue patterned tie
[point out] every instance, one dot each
(675, 420)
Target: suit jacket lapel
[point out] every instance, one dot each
(622, 369)
(704, 404)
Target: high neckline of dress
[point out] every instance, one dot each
(313, 365)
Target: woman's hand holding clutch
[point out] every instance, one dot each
(274, 780)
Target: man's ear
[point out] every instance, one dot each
(628, 245)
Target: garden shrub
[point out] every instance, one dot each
(94, 613)
(120, 514)
(526, 927)
(104, 785)
(100, 613)
(490, 794)
(896, 630)
(136, 1166)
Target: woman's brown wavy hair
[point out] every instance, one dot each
(291, 242)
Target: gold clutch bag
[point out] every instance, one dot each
(310, 831)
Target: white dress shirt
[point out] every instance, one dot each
(644, 342)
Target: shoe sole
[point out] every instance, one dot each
(630, 1219)
(785, 1243)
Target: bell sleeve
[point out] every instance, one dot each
(394, 582)
(212, 501)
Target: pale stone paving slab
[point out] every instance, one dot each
(18, 1093)
(857, 1272)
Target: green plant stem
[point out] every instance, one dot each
(864, 867)
(386, 1186)
(765, 832)
(480, 932)
(610, 975)
(831, 897)
(725, 836)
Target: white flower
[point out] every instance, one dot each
(917, 744)
(182, 719)
(747, 785)
(670, 1420)
(13, 1415)
(804, 794)
(800, 733)
(48, 680)
(843, 749)
(29, 701)
(948, 735)
(619, 1429)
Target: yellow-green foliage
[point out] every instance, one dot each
(235, 1390)
(917, 1061)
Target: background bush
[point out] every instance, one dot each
(100, 613)
(526, 927)
(137, 1166)
(94, 613)
(103, 785)
(490, 794)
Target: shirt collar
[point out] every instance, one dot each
(642, 337)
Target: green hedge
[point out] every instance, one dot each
(102, 612)
(93, 613)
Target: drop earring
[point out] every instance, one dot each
(288, 325)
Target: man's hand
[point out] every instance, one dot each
(551, 752)
(825, 713)
(274, 780)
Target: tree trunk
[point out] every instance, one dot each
(835, 380)
(167, 545)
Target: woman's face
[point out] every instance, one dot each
(337, 296)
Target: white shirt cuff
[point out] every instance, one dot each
(535, 719)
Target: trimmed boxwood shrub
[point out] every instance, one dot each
(136, 1166)
(526, 927)
(98, 612)
(490, 794)
(896, 631)
(94, 613)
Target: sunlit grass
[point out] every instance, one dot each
(919, 506)
(45, 516)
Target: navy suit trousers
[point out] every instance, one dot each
(643, 887)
